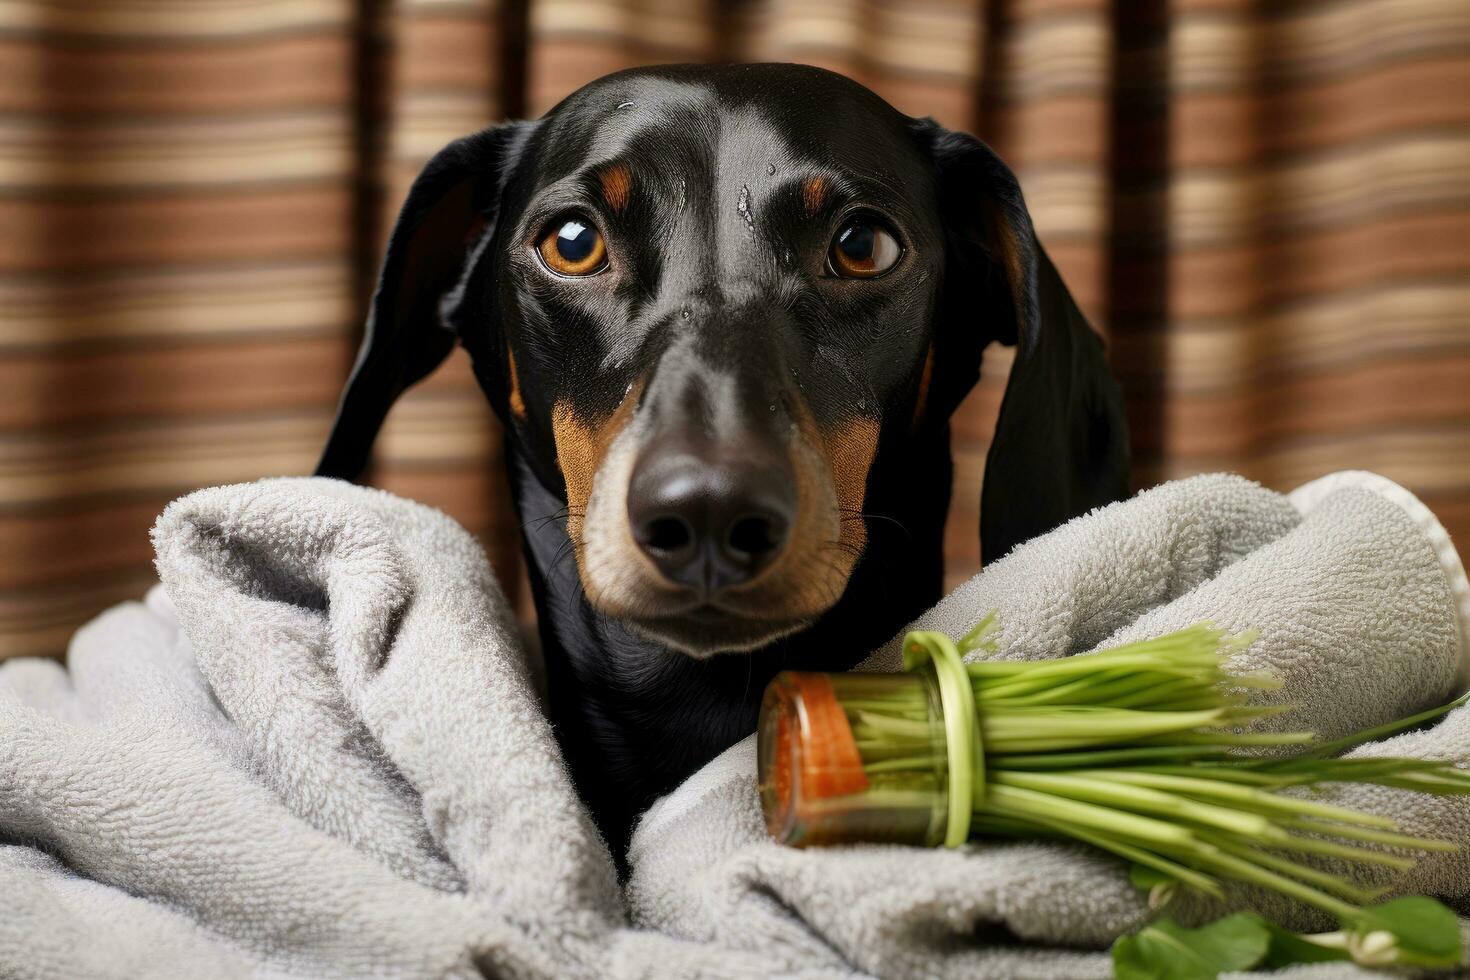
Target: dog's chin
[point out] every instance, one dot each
(706, 631)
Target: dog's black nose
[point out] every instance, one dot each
(710, 516)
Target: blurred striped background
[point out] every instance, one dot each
(1265, 205)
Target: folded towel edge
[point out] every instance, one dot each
(1307, 496)
(735, 763)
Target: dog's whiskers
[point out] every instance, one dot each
(566, 548)
(849, 514)
(846, 547)
(534, 524)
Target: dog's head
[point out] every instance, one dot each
(703, 300)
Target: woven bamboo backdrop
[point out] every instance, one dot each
(1265, 205)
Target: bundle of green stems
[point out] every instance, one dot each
(1146, 751)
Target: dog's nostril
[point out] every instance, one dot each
(667, 533)
(754, 535)
(710, 519)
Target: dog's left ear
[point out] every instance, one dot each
(1061, 440)
(433, 251)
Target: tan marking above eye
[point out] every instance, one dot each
(617, 185)
(814, 191)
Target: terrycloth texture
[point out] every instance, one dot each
(318, 754)
(1355, 609)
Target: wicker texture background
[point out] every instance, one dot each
(1265, 205)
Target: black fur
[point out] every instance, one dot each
(714, 239)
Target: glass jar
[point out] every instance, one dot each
(834, 770)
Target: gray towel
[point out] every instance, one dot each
(318, 754)
(1361, 605)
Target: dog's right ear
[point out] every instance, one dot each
(448, 215)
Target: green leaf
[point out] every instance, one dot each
(1168, 951)
(1428, 933)
(1287, 948)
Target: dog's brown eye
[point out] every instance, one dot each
(863, 249)
(573, 247)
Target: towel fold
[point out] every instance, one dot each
(315, 751)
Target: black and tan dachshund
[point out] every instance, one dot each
(725, 314)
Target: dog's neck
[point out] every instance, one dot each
(634, 717)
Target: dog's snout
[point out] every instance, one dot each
(710, 516)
